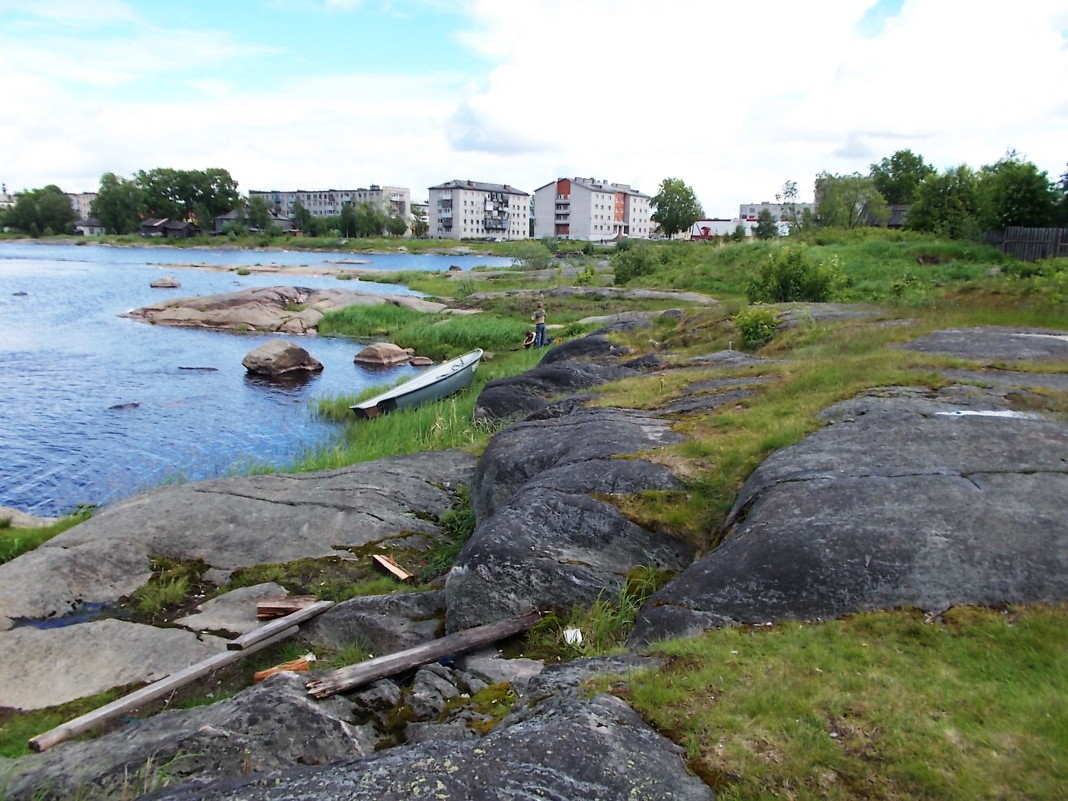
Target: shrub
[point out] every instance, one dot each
(632, 263)
(792, 274)
(756, 324)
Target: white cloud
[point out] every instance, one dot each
(734, 99)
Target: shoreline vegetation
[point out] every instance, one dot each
(886, 705)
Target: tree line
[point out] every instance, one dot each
(197, 196)
(958, 203)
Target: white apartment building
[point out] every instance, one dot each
(80, 202)
(475, 210)
(395, 200)
(592, 210)
(751, 211)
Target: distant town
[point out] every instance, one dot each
(569, 208)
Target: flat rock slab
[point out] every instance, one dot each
(907, 498)
(996, 343)
(294, 310)
(40, 668)
(234, 522)
(233, 612)
(595, 750)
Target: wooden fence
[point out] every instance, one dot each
(1032, 244)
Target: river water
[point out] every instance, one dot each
(96, 407)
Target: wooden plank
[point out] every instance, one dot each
(283, 605)
(269, 629)
(389, 565)
(152, 692)
(335, 681)
(301, 665)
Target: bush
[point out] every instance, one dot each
(792, 274)
(632, 263)
(756, 324)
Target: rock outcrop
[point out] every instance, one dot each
(593, 749)
(234, 522)
(280, 358)
(905, 498)
(285, 309)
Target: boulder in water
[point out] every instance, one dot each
(383, 354)
(280, 357)
(165, 283)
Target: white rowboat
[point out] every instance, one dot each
(431, 385)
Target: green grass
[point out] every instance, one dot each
(874, 706)
(17, 541)
(443, 424)
(879, 266)
(438, 336)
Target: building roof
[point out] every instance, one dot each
(479, 186)
(600, 186)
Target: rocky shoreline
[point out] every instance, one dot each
(907, 496)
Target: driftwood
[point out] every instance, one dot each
(270, 629)
(152, 692)
(346, 678)
(390, 566)
(284, 605)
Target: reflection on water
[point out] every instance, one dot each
(97, 406)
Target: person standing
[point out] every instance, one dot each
(539, 325)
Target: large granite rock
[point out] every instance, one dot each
(270, 726)
(383, 354)
(234, 522)
(593, 749)
(542, 540)
(906, 498)
(280, 358)
(567, 368)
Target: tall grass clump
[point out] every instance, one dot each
(438, 336)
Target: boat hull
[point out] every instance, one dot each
(434, 384)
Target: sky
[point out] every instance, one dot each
(733, 98)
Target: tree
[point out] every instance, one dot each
(396, 225)
(897, 178)
(370, 220)
(947, 204)
(118, 203)
(846, 201)
(766, 227)
(44, 211)
(347, 225)
(259, 214)
(1015, 192)
(302, 218)
(787, 199)
(185, 194)
(676, 207)
(738, 234)
(420, 226)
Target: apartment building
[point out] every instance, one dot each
(80, 202)
(592, 210)
(395, 200)
(476, 210)
(779, 211)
